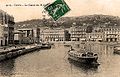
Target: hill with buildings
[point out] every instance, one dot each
(66, 22)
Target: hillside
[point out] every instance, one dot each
(67, 22)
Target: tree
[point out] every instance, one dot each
(89, 29)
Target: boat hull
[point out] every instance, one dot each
(45, 47)
(83, 65)
(87, 60)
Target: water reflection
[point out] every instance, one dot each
(7, 67)
(84, 67)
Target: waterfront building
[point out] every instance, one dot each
(56, 34)
(105, 34)
(18, 37)
(78, 33)
(6, 28)
(100, 33)
(95, 36)
(111, 34)
(36, 33)
(28, 35)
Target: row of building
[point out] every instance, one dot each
(36, 35)
(76, 33)
(101, 34)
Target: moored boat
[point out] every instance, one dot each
(46, 45)
(116, 50)
(67, 45)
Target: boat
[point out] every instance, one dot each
(67, 45)
(82, 56)
(116, 50)
(46, 46)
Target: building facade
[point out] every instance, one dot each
(78, 33)
(101, 34)
(94, 36)
(18, 37)
(7, 28)
(28, 35)
(55, 35)
(111, 34)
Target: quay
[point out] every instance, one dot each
(18, 51)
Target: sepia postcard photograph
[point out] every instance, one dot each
(59, 38)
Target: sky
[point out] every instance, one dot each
(78, 8)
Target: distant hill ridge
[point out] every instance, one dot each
(67, 22)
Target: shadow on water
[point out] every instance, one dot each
(84, 67)
(7, 67)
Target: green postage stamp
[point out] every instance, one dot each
(57, 9)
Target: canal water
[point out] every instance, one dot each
(54, 63)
